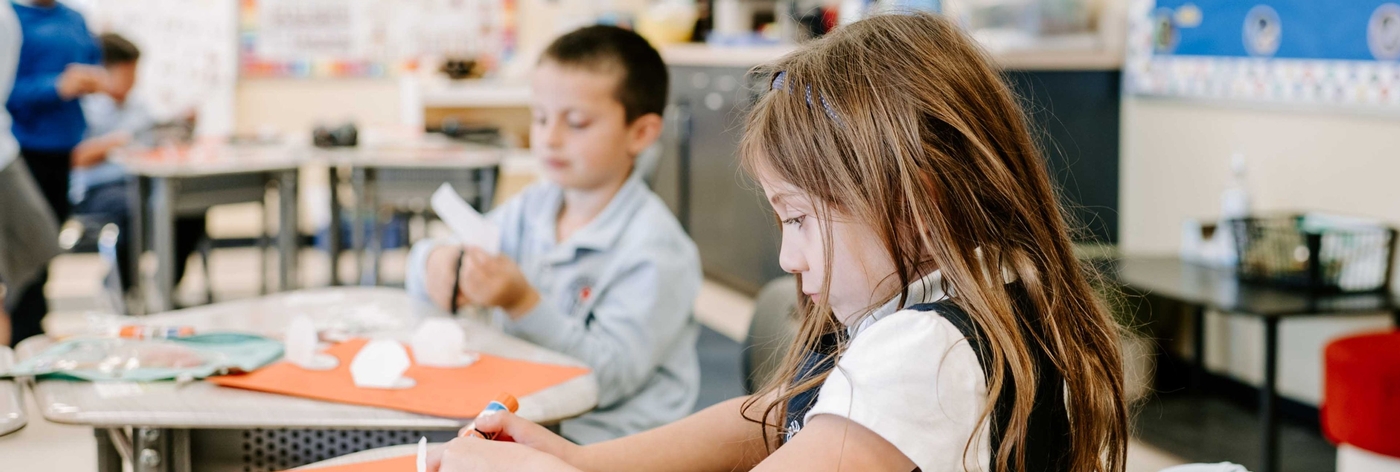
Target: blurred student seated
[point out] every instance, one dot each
(116, 118)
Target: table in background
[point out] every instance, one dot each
(201, 426)
(12, 417)
(396, 174)
(1202, 287)
(165, 185)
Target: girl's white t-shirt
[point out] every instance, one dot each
(912, 378)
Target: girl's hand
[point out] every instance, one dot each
(441, 274)
(476, 454)
(489, 280)
(509, 427)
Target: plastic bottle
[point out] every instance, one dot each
(1234, 201)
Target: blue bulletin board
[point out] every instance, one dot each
(1341, 52)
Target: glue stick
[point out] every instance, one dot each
(153, 332)
(503, 402)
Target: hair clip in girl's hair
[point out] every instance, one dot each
(780, 83)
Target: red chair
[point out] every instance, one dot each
(1361, 401)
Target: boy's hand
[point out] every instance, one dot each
(441, 275)
(80, 79)
(489, 280)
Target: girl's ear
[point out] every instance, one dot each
(643, 131)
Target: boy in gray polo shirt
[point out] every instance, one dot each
(592, 263)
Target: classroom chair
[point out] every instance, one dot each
(773, 327)
(1361, 401)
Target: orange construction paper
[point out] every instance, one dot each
(459, 392)
(393, 464)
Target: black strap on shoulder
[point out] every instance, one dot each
(1047, 438)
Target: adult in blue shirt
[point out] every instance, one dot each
(57, 64)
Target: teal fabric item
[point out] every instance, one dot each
(111, 359)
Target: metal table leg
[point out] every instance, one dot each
(1198, 348)
(162, 219)
(1268, 398)
(486, 187)
(375, 246)
(287, 229)
(364, 215)
(136, 239)
(333, 243)
(109, 459)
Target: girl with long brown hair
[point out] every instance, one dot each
(947, 323)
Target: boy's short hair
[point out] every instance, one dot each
(644, 84)
(117, 50)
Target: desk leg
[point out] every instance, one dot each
(357, 220)
(333, 243)
(163, 240)
(108, 458)
(376, 240)
(365, 211)
(1268, 398)
(136, 240)
(1198, 348)
(486, 188)
(1396, 314)
(287, 230)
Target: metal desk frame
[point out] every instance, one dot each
(159, 192)
(370, 171)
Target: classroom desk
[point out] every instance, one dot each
(12, 416)
(200, 426)
(1202, 288)
(165, 186)
(395, 174)
(365, 456)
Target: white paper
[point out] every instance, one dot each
(299, 343)
(470, 226)
(380, 364)
(423, 454)
(440, 342)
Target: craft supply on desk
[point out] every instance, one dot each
(380, 365)
(302, 346)
(441, 342)
(470, 226)
(503, 402)
(459, 392)
(117, 359)
(422, 459)
(153, 332)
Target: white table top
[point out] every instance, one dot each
(426, 154)
(385, 312)
(12, 417)
(208, 159)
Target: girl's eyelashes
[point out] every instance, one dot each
(795, 221)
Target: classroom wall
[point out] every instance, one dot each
(1176, 162)
(296, 105)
